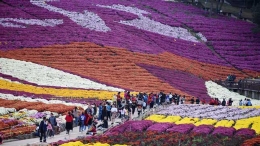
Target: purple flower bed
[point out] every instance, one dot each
(182, 128)
(224, 131)
(245, 132)
(218, 30)
(139, 126)
(203, 129)
(160, 127)
(183, 81)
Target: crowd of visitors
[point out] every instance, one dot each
(123, 106)
(216, 101)
(47, 128)
(246, 102)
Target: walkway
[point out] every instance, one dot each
(62, 136)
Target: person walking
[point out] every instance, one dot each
(76, 116)
(49, 129)
(108, 108)
(81, 122)
(69, 122)
(114, 112)
(53, 123)
(43, 129)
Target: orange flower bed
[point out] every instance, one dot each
(119, 66)
(7, 125)
(39, 106)
(252, 142)
(9, 133)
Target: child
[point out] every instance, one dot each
(92, 130)
(122, 111)
(139, 110)
(49, 129)
(104, 124)
(82, 118)
(144, 106)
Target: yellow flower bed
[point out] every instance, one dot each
(155, 118)
(79, 143)
(257, 106)
(187, 120)
(76, 143)
(56, 92)
(225, 123)
(205, 122)
(170, 119)
(245, 123)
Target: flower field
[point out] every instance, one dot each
(150, 138)
(55, 55)
(107, 42)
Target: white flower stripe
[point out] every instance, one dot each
(87, 19)
(47, 76)
(147, 24)
(8, 22)
(217, 91)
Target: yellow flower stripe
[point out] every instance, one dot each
(225, 123)
(187, 120)
(7, 85)
(256, 106)
(206, 122)
(170, 119)
(155, 118)
(238, 124)
(79, 143)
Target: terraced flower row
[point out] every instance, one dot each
(122, 24)
(14, 87)
(147, 125)
(110, 66)
(39, 106)
(252, 122)
(208, 111)
(151, 138)
(79, 143)
(10, 128)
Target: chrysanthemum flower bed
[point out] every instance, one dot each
(151, 138)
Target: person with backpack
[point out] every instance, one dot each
(81, 122)
(43, 129)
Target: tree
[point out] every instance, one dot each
(256, 14)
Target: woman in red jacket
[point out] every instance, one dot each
(69, 122)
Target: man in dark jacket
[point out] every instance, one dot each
(43, 129)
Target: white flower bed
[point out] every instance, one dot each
(43, 75)
(4, 111)
(147, 24)
(87, 19)
(8, 22)
(217, 91)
